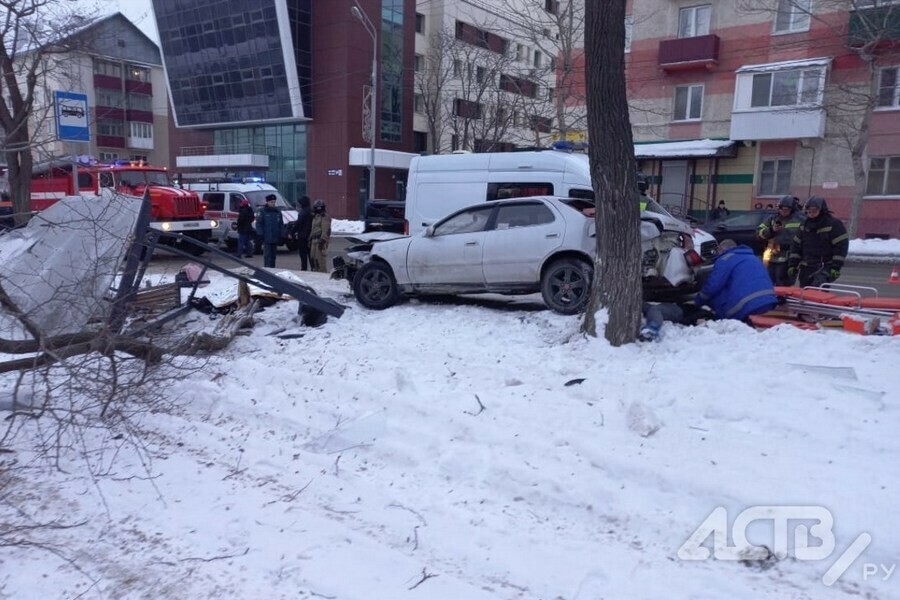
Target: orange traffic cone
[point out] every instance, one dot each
(895, 275)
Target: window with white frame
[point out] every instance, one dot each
(537, 59)
(889, 87)
(419, 63)
(694, 21)
(138, 129)
(688, 103)
(419, 103)
(793, 87)
(791, 16)
(884, 176)
(457, 68)
(110, 127)
(108, 156)
(775, 177)
(521, 53)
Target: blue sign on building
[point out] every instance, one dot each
(72, 117)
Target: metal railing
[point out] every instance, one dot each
(233, 149)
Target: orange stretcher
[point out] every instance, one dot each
(855, 309)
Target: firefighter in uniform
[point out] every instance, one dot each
(319, 236)
(820, 247)
(779, 230)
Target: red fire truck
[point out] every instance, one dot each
(172, 209)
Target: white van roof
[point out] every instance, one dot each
(544, 161)
(229, 187)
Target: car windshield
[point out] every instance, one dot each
(258, 199)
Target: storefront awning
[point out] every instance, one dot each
(687, 149)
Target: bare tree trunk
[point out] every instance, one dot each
(19, 163)
(617, 280)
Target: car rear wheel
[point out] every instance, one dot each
(375, 287)
(566, 285)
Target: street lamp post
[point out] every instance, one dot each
(361, 16)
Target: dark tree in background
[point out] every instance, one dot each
(617, 269)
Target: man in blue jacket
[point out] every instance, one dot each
(270, 228)
(739, 286)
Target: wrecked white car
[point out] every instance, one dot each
(519, 246)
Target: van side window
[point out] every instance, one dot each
(502, 191)
(582, 194)
(214, 200)
(511, 216)
(235, 202)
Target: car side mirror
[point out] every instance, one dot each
(429, 231)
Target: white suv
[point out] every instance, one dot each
(520, 246)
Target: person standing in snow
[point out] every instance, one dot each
(319, 236)
(302, 229)
(737, 288)
(269, 227)
(820, 246)
(245, 230)
(779, 230)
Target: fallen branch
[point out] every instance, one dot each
(481, 408)
(212, 558)
(425, 577)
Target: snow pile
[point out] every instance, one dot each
(346, 226)
(875, 247)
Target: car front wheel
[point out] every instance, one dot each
(566, 286)
(375, 287)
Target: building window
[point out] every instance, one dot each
(481, 38)
(104, 67)
(419, 103)
(688, 102)
(108, 157)
(480, 73)
(138, 73)
(629, 20)
(889, 87)
(114, 128)
(551, 6)
(140, 102)
(454, 142)
(541, 124)
(521, 53)
(140, 130)
(467, 109)
(420, 23)
(693, 21)
(775, 177)
(110, 98)
(419, 63)
(538, 59)
(787, 88)
(138, 158)
(457, 68)
(791, 16)
(884, 176)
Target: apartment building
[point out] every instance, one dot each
(120, 71)
(485, 74)
(779, 94)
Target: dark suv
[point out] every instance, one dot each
(740, 227)
(385, 215)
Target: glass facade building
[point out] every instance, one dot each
(236, 61)
(285, 144)
(391, 70)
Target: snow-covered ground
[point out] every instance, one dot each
(466, 451)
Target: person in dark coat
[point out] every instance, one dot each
(245, 230)
(302, 229)
(820, 246)
(269, 228)
(779, 230)
(737, 288)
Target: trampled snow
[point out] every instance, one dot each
(471, 450)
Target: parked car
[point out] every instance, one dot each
(519, 246)
(385, 215)
(740, 227)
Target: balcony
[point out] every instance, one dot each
(879, 25)
(682, 54)
(778, 124)
(140, 143)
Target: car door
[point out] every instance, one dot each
(523, 234)
(450, 258)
